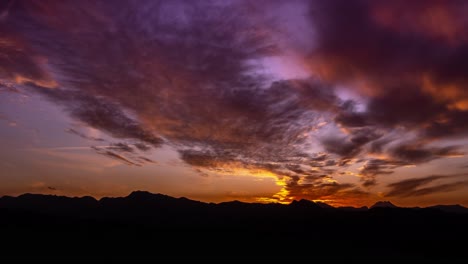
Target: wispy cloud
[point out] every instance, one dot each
(419, 186)
(82, 135)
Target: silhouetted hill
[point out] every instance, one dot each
(450, 208)
(305, 204)
(383, 204)
(324, 205)
(353, 209)
(49, 203)
(141, 199)
(157, 226)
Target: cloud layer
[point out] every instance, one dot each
(191, 75)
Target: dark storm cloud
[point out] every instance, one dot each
(416, 187)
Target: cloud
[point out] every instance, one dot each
(121, 147)
(341, 147)
(100, 114)
(351, 145)
(82, 135)
(124, 152)
(145, 159)
(114, 155)
(142, 146)
(416, 187)
(374, 167)
(374, 31)
(208, 159)
(406, 70)
(404, 154)
(18, 63)
(190, 80)
(411, 75)
(192, 75)
(415, 153)
(331, 192)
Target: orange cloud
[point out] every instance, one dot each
(439, 20)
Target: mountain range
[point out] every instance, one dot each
(147, 200)
(143, 225)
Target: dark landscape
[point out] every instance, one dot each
(155, 226)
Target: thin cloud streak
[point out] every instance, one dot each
(419, 186)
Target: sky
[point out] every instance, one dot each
(343, 102)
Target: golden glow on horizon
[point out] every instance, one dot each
(282, 196)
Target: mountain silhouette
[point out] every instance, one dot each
(303, 203)
(383, 204)
(353, 209)
(144, 225)
(450, 208)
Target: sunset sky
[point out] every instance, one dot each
(344, 102)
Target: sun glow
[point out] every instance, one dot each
(282, 196)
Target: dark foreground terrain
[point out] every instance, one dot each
(155, 226)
